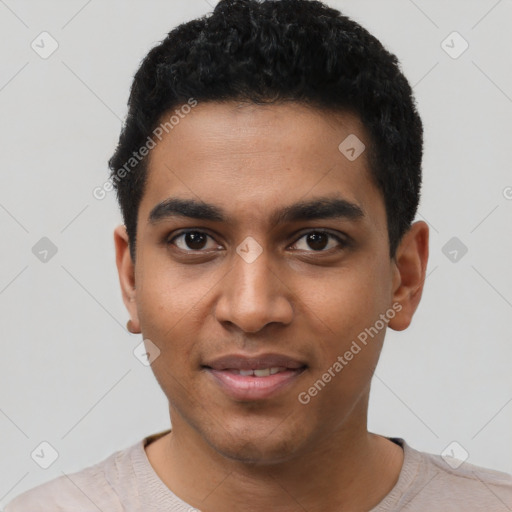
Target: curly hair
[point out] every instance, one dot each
(274, 51)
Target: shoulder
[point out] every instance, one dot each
(58, 494)
(450, 484)
(88, 490)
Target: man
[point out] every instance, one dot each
(269, 174)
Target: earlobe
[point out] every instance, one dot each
(126, 272)
(131, 328)
(410, 267)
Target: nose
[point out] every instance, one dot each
(253, 296)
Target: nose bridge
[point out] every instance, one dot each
(253, 279)
(252, 295)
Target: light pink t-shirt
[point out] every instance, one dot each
(126, 481)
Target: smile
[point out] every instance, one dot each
(249, 385)
(263, 372)
(248, 377)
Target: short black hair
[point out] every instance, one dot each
(274, 51)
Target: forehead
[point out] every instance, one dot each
(246, 127)
(248, 159)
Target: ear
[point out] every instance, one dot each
(126, 271)
(410, 264)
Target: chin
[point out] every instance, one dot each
(258, 445)
(250, 453)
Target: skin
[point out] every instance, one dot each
(274, 454)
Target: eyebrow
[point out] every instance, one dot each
(321, 208)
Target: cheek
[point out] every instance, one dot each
(349, 308)
(165, 317)
(164, 311)
(351, 301)
(169, 294)
(172, 304)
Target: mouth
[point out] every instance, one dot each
(245, 378)
(261, 372)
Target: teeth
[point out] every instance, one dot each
(263, 372)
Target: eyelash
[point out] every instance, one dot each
(342, 243)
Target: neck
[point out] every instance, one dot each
(352, 469)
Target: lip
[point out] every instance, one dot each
(244, 362)
(250, 388)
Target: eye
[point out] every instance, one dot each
(313, 241)
(192, 241)
(318, 241)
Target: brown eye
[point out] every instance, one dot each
(319, 241)
(190, 240)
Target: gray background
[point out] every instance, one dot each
(67, 372)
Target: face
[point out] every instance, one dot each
(261, 246)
